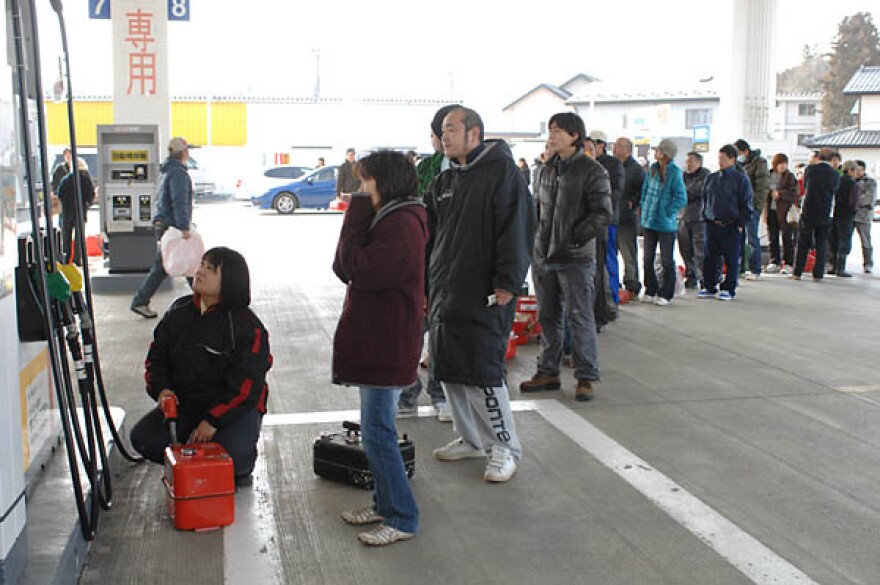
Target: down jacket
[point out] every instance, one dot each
(482, 224)
(574, 206)
(661, 200)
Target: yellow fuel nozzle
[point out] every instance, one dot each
(73, 275)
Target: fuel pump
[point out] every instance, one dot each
(128, 170)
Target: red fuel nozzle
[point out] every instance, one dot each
(168, 404)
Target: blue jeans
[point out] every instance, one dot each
(392, 495)
(611, 264)
(155, 277)
(568, 292)
(751, 233)
(721, 241)
(667, 247)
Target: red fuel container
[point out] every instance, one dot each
(199, 486)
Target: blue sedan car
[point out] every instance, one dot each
(314, 190)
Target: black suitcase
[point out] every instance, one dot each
(340, 457)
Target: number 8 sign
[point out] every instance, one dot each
(178, 9)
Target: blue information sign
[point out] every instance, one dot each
(701, 134)
(178, 9)
(99, 9)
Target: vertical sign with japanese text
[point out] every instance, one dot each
(140, 64)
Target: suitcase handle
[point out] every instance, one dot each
(351, 426)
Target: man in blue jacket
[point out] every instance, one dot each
(174, 209)
(727, 210)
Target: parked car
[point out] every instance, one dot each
(877, 211)
(315, 190)
(245, 189)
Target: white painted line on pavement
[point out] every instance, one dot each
(859, 389)
(747, 554)
(250, 544)
(753, 559)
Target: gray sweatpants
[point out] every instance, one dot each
(482, 416)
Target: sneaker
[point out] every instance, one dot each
(772, 268)
(794, 277)
(457, 450)
(751, 276)
(501, 466)
(725, 296)
(661, 302)
(361, 516)
(443, 412)
(384, 535)
(843, 274)
(786, 270)
(648, 299)
(584, 391)
(869, 269)
(145, 311)
(407, 411)
(540, 382)
(707, 294)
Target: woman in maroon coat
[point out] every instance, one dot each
(381, 257)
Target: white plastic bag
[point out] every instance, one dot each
(181, 257)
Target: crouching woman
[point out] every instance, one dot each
(381, 258)
(212, 353)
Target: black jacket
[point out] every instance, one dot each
(216, 363)
(634, 176)
(693, 184)
(346, 182)
(820, 183)
(846, 200)
(616, 177)
(67, 194)
(482, 223)
(574, 206)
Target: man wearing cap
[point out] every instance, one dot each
(346, 181)
(616, 177)
(173, 209)
(427, 169)
(663, 195)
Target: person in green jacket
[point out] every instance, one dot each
(755, 166)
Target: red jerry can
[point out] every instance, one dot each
(199, 486)
(511, 347)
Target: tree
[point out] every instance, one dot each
(806, 77)
(856, 44)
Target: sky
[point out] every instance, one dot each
(485, 52)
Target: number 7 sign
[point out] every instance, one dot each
(99, 9)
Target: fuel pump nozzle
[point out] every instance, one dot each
(168, 405)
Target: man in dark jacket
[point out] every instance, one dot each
(821, 181)
(574, 207)
(346, 181)
(482, 223)
(691, 229)
(727, 210)
(628, 211)
(758, 172)
(173, 209)
(614, 168)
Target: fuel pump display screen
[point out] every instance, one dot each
(122, 208)
(145, 208)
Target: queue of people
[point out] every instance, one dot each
(445, 247)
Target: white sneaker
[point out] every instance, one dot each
(443, 412)
(407, 411)
(383, 535)
(458, 449)
(648, 300)
(751, 276)
(661, 302)
(501, 465)
(771, 268)
(786, 270)
(361, 516)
